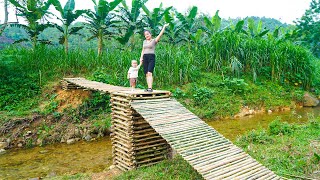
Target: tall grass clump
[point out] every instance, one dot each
(280, 61)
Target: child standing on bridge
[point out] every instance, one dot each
(133, 73)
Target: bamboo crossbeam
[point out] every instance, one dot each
(239, 170)
(222, 168)
(217, 159)
(202, 160)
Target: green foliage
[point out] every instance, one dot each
(178, 93)
(201, 95)
(51, 106)
(17, 86)
(235, 85)
(96, 103)
(291, 153)
(313, 121)
(277, 127)
(100, 22)
(256, 136)
(298, 95)
(308, 25)
(153, 19)
(132, 22)
(33, 11)
(103, 124)
(167, 169)
(68, 16)
(213, 25)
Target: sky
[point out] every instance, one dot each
(286, 11)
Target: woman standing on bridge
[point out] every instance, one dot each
(148, 55)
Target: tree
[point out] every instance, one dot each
(256, 30)
(68, 16)
(308, 28)
(33, 11)
(101, 21)
(213, 25)
(132, 22)
(191, 30)
(153, 19)
(6, 13)
(175, 28)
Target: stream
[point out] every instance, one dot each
(92, 157)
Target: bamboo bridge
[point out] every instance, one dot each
(145, 126)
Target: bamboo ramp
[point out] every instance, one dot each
(207, 151)
(145, 126)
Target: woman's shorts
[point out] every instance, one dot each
(148, 63)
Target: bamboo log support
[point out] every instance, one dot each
(152, 159)
(148, 151)
(126, 163)
(150, 146)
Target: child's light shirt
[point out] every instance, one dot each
(133, 72)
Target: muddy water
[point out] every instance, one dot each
(233, 128)
(58, 159)
(84, 157)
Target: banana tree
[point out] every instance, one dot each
(256, 30)
(212, 26)
(175, 29)
(33, 11)
(189, 25)
(132, 22)
(153, 19)
(101, 21)
(68, 16)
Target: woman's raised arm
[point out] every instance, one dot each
(161, 32)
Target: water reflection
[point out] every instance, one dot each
(57, 159)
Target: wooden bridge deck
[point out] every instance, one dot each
(207, 151)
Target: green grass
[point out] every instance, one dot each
(287, 149)
(211, 96)
(168, 169)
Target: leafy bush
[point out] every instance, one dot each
(178, 93)
(277, 127)
(16, 86)
(255, 136)
(298, 95)
(201, 95)
(235, 85)
(313, 121)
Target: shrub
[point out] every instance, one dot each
(178, 93)
(235, 85)
(256, 136)
(201, 95)
(277, 127)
